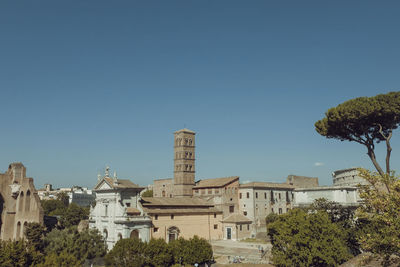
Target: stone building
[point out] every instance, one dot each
(222, 192)
(258, 199)
(236, 227)
(302, 181)
(19, 202)
(347, 177)
(343, 195)
(184, 163)
(163, 187)
(183, 217)
(117, 212)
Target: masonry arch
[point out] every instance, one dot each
(18, 232)
(173, 233)
(105, 234)
(134, 234)
(24, 229)
(28, 200)
(1, 210)
(21, 201)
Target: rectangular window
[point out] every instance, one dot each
(172, 216)
(216, 191)
(155, 217)
(128, 204)
(215, 226)
(231, 209)
(245, 213)
(265, 195)
(279, 196)
(155, 229)
(248, 227)
(196, 191)
(209, 191)
(240, 227)
(248, 195)
(203, 191)
(280, 211)
(256, 195)
(215, 215)
(105, 210)
(240, 195)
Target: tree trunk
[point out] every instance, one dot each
(372, 156)
(388, 151)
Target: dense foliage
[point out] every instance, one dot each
(364, 120)
(133, 252)
(302, 238)
(381, 210)
(147, 193)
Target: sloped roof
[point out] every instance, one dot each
(175, 202)
(187, 210)
(132, 210)
(215, 182)
(266, 185)
(121, 183)
(236, 218)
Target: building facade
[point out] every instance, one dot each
(183, 217)
(117, 212)
(184, 162)
(258, 199)
(19, 202)
(343, 195)
(347, 177)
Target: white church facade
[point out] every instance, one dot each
(117, 212)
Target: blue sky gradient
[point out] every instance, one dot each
(85, 84)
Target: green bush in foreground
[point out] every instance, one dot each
(307, 239)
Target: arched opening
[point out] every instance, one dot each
(105, 234)
(163, 193)
(119, 236)
(173, 233)
(28, 200)
(18, 233)
(134, 234)
(21, 201)
(1, 210)
(23, 234)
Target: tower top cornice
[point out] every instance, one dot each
(185, 130)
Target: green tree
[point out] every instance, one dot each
(158, 253)
(64, 259)
(380, 211)
(87, 244)
(64, 198)
(53, 207)
(300, 239)
(127, 252)
(14, 253)
(178, 248)
(364, 120)
(35, 233)
(73, 215)
(345, 218)
(147, 193)
(198, 251)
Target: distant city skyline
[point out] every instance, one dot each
(86, 84)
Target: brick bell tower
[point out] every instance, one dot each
(184, 170)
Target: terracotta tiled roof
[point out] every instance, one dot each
(133, 211)
(190, 210)
(266, 185)
(175, 202)
(121, 183)
(215, 182)
(236, 218)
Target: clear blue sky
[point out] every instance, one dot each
(85, 84)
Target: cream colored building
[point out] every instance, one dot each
(19, 202)
(183, 217)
